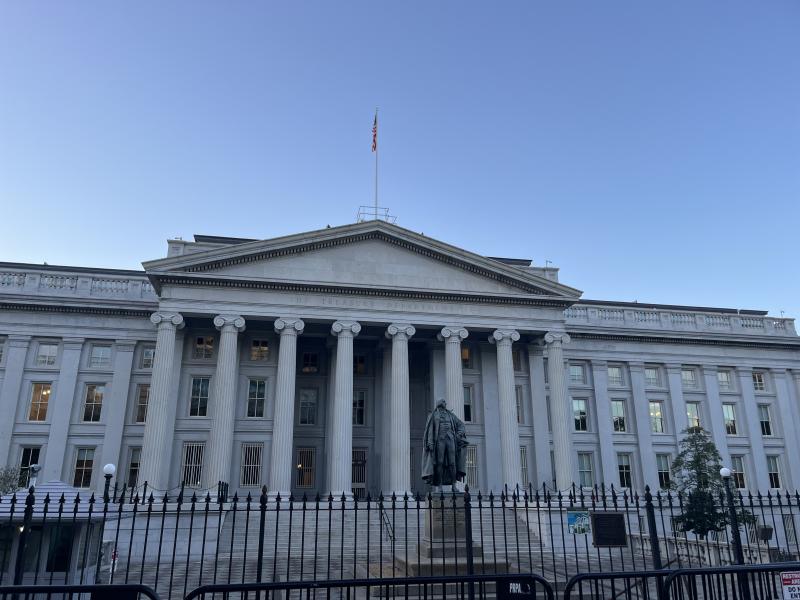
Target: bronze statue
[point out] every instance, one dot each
(444, 441)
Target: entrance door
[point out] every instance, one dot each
(305, 469)
(359, 483)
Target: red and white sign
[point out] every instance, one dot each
(790, 581)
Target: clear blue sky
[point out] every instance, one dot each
(649, 149)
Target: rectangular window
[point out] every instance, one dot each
(725, 381)
(259, 350)
(693, 414)
(729, 416)
(624, 468)
(310, 362)
(142, 400)
(100, 356)
(523, 464)
(689, 378)
(789, 529)
(359, 407)
(618, 415)
(765, 419)
(148, 356)
(468, 407)
(516, 359)
(256, 397)
(308, 406)
(577, 374)
(615, 377)
(471, 463)
(656, 416)
(520, 404)
(585, 470)
(30, 456)
(46, 354)
(358, 472)
(580, 414)
(664, 470)
(305, 467)
(203, 347)
(198, 406)
(134, 459)
(652, 377)
(93, 404)
(759, 381)
(773, 468)
(40, 398)
(250, 473)
(466, 357)
(359, 364)
(739, 479)
(84, 461)
(192, 470)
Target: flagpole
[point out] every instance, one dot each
(376, 167)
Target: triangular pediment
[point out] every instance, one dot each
(372, 254)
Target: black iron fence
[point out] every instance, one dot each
(176, 543)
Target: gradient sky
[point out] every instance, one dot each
(650, 150)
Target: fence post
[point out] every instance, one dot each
(468, 539)
(19, 568)
(652, 529)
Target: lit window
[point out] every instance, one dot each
(250, 475)
(577, 374)
(142, 400)
(359, 406)
(729, 416)
(30, 456)
(148, 356)
(737, 464)
(618, 415)
(256, 396)
(624, 468)
(523, 465)
(468, 407)
(516, 359)
(652, 377)
(84, 462)
(305, 467)
(615, 376)
(725, 381)
(585, 470)
(46, 354)
(520, 404)
(664, 470)
(308, 406)
(310, 362)
(693, 414)
(689, 378)
(466, 357)
(203, 347)
(774, 471)
(134, 459)
(580, 415)
(359, 364)
(764, 418)
(259, 350)
(198, 405)
(656, 416)
(100, 356)
(40, 398)
(93, 403)
(759, 381)
(192, 467)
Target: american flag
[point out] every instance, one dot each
(375, 134)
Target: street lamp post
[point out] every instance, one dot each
(108, 473)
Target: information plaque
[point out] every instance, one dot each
(608, 530)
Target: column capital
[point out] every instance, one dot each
(125, 345)
(351, 328)
(557, 337)
(502, 336)
(744, 371)
(402, 329)
(635, 365)
(289, 326)
(16, 340)
(674, 367)
(709, 369)
(778, 372)
(452, 333)
(599, 363)
(235, 322)
(73, 343)
(167, 319)
(796, 374)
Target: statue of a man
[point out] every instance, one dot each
(444, 442)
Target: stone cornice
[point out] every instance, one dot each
(777, 344)
(79, 309)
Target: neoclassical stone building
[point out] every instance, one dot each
(309, 363)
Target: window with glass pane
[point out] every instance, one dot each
(577, 374)
(468, 407)
(100, 356)
(693, 414)
(192, 470)
(93, 403)
(256, 397)
(250, 472)
(30, 456)
(624, 468)
(142, 399)
(310, 362)
(306, 457)
(40, 398)
(259, 350)
(738, 475)
(615, 376)
(729, 416)
(773, 469)
(618, 415)
(789, 529)
(652, 376)
(523, 463)
(724, 380)
(689, 378)
(198, 405)
(759, 381)
(656, 416)
(134, 459)
(580, 415)
(765, 419)
(471, 464)
(359, 407)
(148, 356)
(585, 470)
(520, 404)
(466, 357)
(46, 354)
(84, 461)
(308, 406)
(203, 347)
(359, 364)
(59, 551)
(664, 470)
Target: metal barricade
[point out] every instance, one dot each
(740, 582)
(131, 591)
(629, 585)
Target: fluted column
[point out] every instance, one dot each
(400, 410)
(16, 350)
(561, 418)
(159, 428)
(509, 429)
(452, 337)
(341, 477)
(280, 473)
(223, 410)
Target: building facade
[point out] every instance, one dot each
(309, 363)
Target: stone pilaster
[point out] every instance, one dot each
(788, 417)
(605, 424)
(641, 410)
(341, 479)
(114, 408)
(754, 429)
(509, 429)
(223, 410)
(677, 401)
(717, 428)
(280, 474)
(561, 417)
(160, 424)
(452, 337)
(16, 350)
(400, 410)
